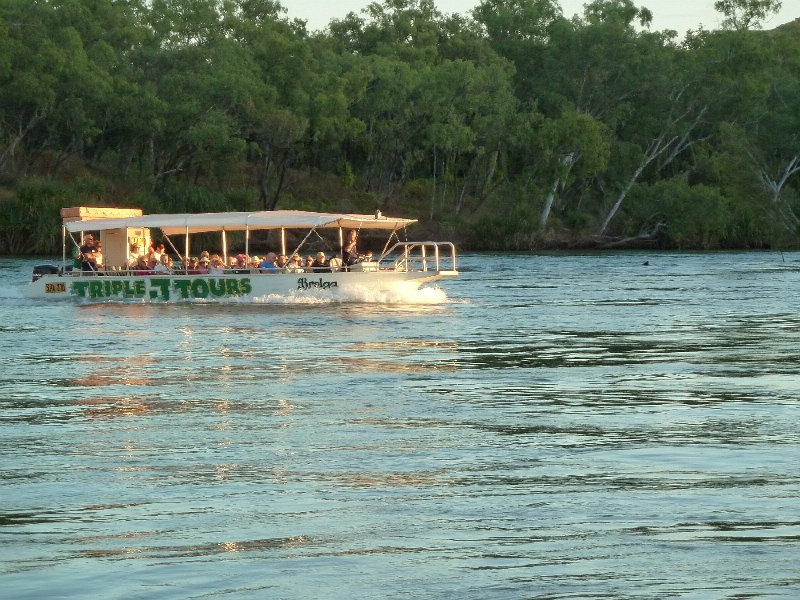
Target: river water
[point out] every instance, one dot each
(545, 426)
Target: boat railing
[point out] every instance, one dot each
(420, 256)
(402, 256)
(123, 272)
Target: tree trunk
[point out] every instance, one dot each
(567, 162)
(624, 192)
(263, 180)
(490, 171)
(654, 149)
(22, 132)
(473, 165)
(433, 193)
(8, 153)
(548, 203)
(281, 178)
(775, 186)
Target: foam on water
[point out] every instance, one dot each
(11, 293)
(308, 299)
(400, 294)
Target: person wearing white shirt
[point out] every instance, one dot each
(163, 265)
(133, 257)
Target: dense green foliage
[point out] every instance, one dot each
(514, 128)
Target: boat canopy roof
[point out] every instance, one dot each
(175, 224)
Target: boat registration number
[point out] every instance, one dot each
(55, 288)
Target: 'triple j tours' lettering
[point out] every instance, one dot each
(156, 288)
(167, 289)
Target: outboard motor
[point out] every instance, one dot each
(40, 270)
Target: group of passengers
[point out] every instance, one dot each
(214, 264)
(156, 260)
(280, 263)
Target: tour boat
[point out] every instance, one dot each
(399, 266)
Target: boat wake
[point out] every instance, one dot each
(11, 293)
(402, 295)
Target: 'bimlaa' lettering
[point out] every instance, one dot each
(306, 284)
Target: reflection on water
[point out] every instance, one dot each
(551, 426)
(199, 550)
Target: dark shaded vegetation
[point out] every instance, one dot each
(514, 128)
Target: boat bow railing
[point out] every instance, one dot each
(421, 256)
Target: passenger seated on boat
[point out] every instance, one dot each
(349, 251)
(268, 264)
(282, 262)
(133, 256)
(321, 264)
(141, 267)
(309, 264)
(86, 254)
(254, 262)
(98, 256)
(241, 262)
(189, 265)
(217, 265)
(163, 265)
(158, 250)
(203, 265)
(295, 264)
(335, 264)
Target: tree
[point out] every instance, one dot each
(57, 85)
(574, 145)
(773, 144)
(522, 32)
(741, 15)
(635, 82)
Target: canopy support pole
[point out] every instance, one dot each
(389, 241)
(303, 241)
(224, 248)
(171, 245)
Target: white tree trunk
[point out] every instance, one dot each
(654, 149)
(776, 185)
(657, 147)
(567, 162)
(621, 196)
(548, 203)
(11, 147)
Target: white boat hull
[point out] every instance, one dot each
(230, 287)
